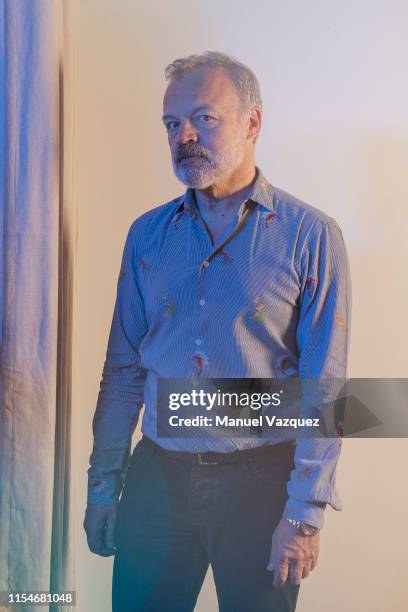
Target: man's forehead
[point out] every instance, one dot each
(202, 86)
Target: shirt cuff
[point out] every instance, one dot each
(305, 512)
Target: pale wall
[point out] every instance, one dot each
(335, 134)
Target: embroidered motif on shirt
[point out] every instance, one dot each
(339, 428)
(177, 219)
(340, 322)
(269, 217)
(259, 310)
(96, 485)
(170, 309)
(266, 186)
(285, 365)
(305, 473)
(200, 361)
(311, 283)
(144, 266)
(226, 258)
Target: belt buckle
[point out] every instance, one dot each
(201, 462)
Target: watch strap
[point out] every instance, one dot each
(305, 528)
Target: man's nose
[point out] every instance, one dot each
(186, 133)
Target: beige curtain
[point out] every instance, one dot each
(38, 235)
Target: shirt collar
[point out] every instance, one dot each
(261, 192)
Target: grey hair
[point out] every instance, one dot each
(243, 78)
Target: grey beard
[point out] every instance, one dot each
(202, 174)
(198, 175)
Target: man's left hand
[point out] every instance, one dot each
(292, 554)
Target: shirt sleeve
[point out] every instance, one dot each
(120, 395)
(323, 344)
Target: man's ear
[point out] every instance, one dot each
(254, 122)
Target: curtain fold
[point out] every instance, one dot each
(36, 343)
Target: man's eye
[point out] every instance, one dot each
(171, 124)
(206, 118)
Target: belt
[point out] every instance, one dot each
(215, 458)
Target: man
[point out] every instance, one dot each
(236, 278)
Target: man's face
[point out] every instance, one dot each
(205, 125)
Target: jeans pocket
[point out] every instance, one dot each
(138, 455)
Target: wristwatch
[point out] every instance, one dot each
(307, 530)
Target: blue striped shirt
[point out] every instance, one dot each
(270, 299)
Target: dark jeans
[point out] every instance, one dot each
(175, 517)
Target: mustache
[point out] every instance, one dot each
(190, 150)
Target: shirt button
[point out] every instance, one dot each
(206, 263)
(198, 341)
(201, 302)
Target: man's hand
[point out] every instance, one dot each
(99, 524)
(292, 553)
